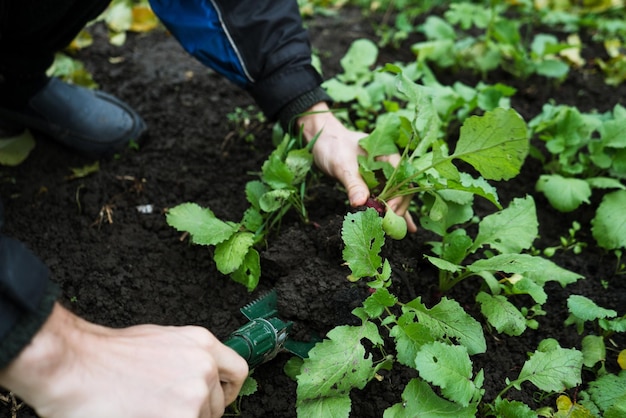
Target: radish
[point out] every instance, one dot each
(394, 225)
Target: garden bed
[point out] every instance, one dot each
(120, 266)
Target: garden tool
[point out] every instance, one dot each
(265, 335)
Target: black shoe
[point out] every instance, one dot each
(91, 122)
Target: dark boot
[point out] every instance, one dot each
(91, 122)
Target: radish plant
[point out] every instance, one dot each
(585, 152)
(281, 187)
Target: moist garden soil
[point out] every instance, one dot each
(119, 266)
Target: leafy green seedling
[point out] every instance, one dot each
(281, 187)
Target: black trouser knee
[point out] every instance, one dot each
(32, 31)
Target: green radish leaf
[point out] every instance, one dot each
(609, 224)
(513, 409)
(419, 400)
(230, 254)
(382, 140)
(249, 387)
(299, 162)
(448, 320)
(594, 350)
(510, 230)
(450, 368)
(586, 309)
(249, 272)
(361, 55)
(564, 194)
(376, 303)
(495, 144)
(535, 268)
(14, 150)
(552, 371)
(362, 233)
(276, 172)
(410, 336)
(333, 368)
(274, 199)
(254, 190)
(502, 314)
(609, 391)
(203, 226)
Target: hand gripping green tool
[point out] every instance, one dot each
(265, 335)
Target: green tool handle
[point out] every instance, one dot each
(259, 340)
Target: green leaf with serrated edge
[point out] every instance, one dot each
(455, 246)
(442, 264)
(513, 409)
(594, 350)
(615, 325)
(376, 303)
(249, 272)
(477, 186)
(525, 286)
(608, 390)
(249, 387)
(363, 236)
(495, 144)
(565, 194)
(501, 314)
(409, 336)
(382, 140)
(203, 226)
(293, 366)
(535, 268)
(426, 122)
(586, 309)
(456, 214)
(252, 219)
(552, 371)
(299, 162)
(419, 400)
(450, 368)
(357, 61)
(276, 173)
(274, 199)
(448, 320)
(510, 230)
(230, 254)
(618, 409)
(254, 190)
(333, 368)
(609, 223)
(14, 150)
(605, 183)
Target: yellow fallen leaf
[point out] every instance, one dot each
(144, 19)
(621, 359)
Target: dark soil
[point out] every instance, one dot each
(133, 268)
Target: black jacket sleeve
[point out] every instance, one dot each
(26, 296)
(260, 45)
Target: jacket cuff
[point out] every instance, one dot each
(290, 112)
(28, 324)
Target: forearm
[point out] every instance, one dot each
(259, 45)
(36, 364)
(26, 297)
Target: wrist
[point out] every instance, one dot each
(316, 119)
(36, 370)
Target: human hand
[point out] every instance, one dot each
(76, 369)
(335, 152)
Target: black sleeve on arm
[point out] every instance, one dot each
(26, 296)
(275, 49)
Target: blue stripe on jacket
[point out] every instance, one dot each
(198, 26)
